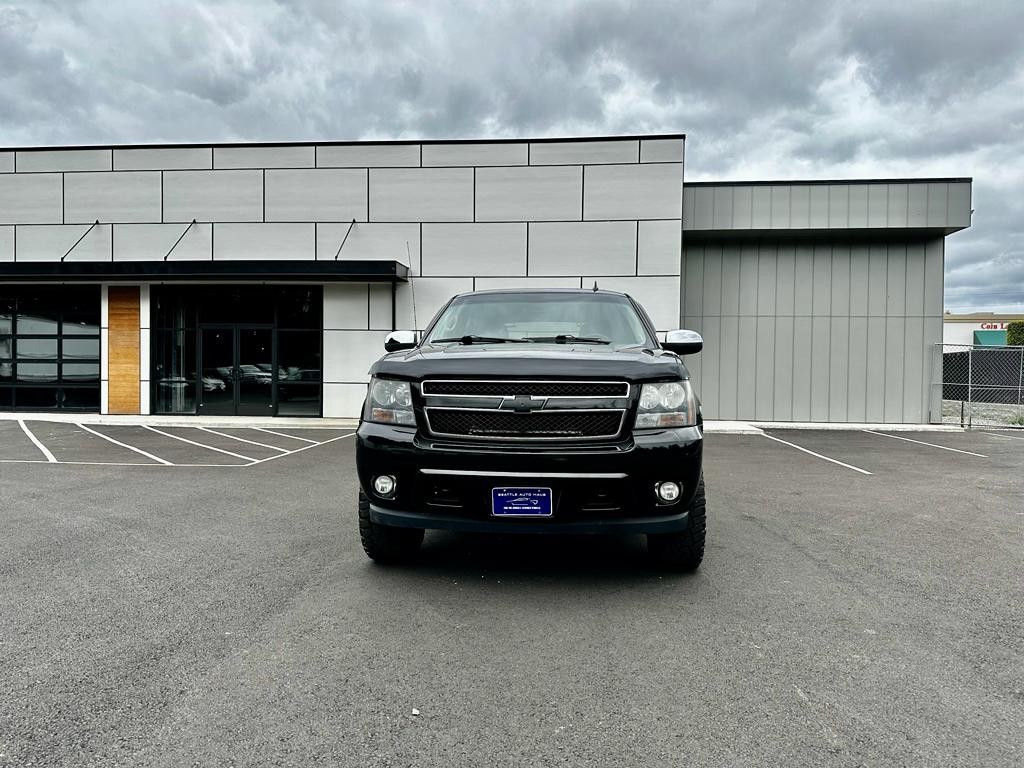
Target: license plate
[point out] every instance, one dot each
(521, 502)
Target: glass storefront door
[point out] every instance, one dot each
(237, 376)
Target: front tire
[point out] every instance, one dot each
(386, 544)
(682, 551)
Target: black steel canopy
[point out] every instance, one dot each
(228, 271)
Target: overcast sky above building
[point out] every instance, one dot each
(763, 90)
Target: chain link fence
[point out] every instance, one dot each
(980, 385)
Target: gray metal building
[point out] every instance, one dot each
(262, 278)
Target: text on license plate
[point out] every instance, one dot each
(521, 502)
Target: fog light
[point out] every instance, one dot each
(667, 492)
(384, 485)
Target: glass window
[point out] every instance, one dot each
(298, 356)
(80, 372)
(6, 394)
(37, 372)
(82, 398)
(36, 398)
(300, 307)
(78, 349)
(6, 347)
(36, 349)
(298, 399)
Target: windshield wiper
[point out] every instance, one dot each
(568, 338)
(474, 339)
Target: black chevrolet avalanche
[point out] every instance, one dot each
(540, 411)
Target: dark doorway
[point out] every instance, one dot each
(237, 372)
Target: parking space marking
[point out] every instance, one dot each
(921, 442)
(282, 434)
(125, 445)
(46, 452)
(199, 445)
(243, 440)
(1008, 437)
(818, 455)
(300, 450)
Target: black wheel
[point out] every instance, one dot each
(682, 550)
(386, 543)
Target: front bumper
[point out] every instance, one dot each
(606, 488)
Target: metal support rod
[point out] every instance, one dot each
(970, 387)
(344, 239)
(180, 238)
(394, 313)
(91, 226)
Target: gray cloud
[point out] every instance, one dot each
(803, 89)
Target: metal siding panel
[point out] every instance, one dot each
(130, 197)
(915, 363)
(858, 206)
(585, 152)
(818, 218)
(938, 199)
(353, 352)
(895, 330)
(431, 293)
(821, 330)
(474, 249)
(742, 207)
(858, 370)
(264, 157)
(958, 209)
(878, 257)
(31, 198)
(658, 247)
(877, 359)
(6, 162)
(710, 382)
(658, 295)
(368, 156)
(840, 279)
(694, 363)
(932, 395)
(371, 242)
(64, 160)
(721, 216)
(766, 278)
(653, 191)
(780, 207)
(783, 383)
(764, 386)
(488, 283)
(40, 242)
(915, 280)
(583, 248)
(213, 196)
(821, 299)
(712, 294)
(322, 194)
(693, 281)
(7, 243)
(803, 297)
(163, 159)
(896, 281)
(730, 279)
(661, 150)
(748, 279)
(421, 194)
(729, 367)
(529, 194)
(878, 205)
(859, 271)
(917, 205)
(839, 369)
(746, 368)
(785, 279)
(761, 212)
(264, 241)
(802, 340)
(800, 206)
(474, 154)
(380, 306)
(838, 206)
(703, 207)
(152, 242)
(933, 266)
(897, 216)
(689, 206)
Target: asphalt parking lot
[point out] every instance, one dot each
(860, 604)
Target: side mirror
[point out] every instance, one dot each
(397, 340)
(683, 342)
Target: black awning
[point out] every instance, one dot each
(229, 271)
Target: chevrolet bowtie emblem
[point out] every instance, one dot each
(522, 403)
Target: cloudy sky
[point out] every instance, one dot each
(763, 89)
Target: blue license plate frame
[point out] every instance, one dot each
(518, 501)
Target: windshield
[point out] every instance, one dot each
(588, 318)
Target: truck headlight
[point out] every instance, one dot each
(670, 404)
(389, 402)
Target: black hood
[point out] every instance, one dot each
(531, 360)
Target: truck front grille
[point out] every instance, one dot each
(467, 388)
(482, 423)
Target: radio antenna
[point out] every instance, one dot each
(412, 289)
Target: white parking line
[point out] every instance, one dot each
(49, 456)
(243, 440)
(921, 442)
(303, 448)
(818, 455)
(200, 445)
(125, 445)
(282, 434)
(1008, 437)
